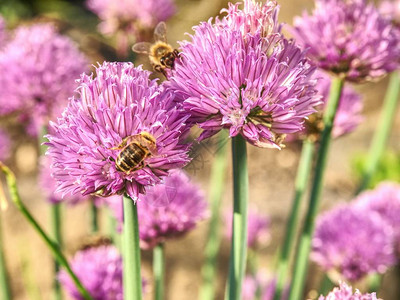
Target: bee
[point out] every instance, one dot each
(161, 54)
(134, 150)
(94, 241)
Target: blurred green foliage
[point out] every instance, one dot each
(388, 167)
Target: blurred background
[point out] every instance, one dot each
(271, 172)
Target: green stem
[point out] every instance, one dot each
(374, 282)
(239, 223)
(303, 172)
(56, 228)
(94, 217)
(52, 245)
(158, 271)
(300, 267)
(132, 277)
(381, 134)
(112, 229)
(55, 221)
(4, 287)
(326, 285)
(209, 269)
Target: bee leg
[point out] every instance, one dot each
(160, 69)
(176, 53)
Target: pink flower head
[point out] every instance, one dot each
(385, 200)
(100, 271)
(170, 209)
(120, 112)
(38, 71)
(345, 292)
(258, 228)
(354, 242)
(349, 38)
(5, 145)
(239, 73)
(131, 16)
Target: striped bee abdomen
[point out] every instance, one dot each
(131, 157)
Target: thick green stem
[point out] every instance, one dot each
(209, 269)
(94, 217)
(300, 267)
(381, 134)
(158, 271)
(302, 176)
(4, 287)
(52, 245)
(131, 257)
(374, 282)
(239, 222)
(56, 233)
(326, 285)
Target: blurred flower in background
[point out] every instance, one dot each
(385, 200)
(120, 107)
(100, 271)
(5, 145)
(345, 292)
(243, 75)
(261, 287)
(38, 69)
(349, 38)
(348, 115)
(352, 242)
(170, 209)
(258, 228)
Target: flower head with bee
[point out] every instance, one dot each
(123, 134)
(241, 74)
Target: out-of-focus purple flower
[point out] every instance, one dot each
(5, 145)
(385, 200)
(131, 16)
(353, 242)
(257, 229)
(120, 112)
(100, 271)
(261, 284)
(349, 38)
(391, 10)
(345, 292)
(239, 73)
(185, 208)
(38, 68)
(348, 115)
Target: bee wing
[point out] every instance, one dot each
(160, 32)
(142, 47)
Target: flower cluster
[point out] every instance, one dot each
(38, 71)
(257, 229)
(348, 115)
(353, 242)
(131, 16)
(121, 135)
(349, 38)
(100, 271)
(241, 74)
(5, 145)
(345, 292)
(385, 200)
(170, 209)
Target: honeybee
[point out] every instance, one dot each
(161, 54)
(134, 150)
(94, 241)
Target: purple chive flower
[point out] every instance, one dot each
(385, 200)
(170, 209)
(353, 242)
(258, 226)
(391, 10)
(5, 145)
(345, 292)
(39, 68)
(349, 38)
(131, 16)
(239, 73)
(100, 271)
(119, 112)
